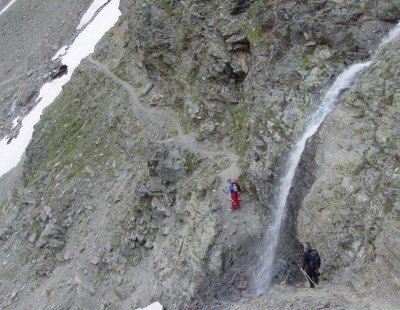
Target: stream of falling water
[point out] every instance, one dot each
(343, 81)
(263, 279)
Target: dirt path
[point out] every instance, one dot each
(299, 297)
(171, 120)
(155, 115)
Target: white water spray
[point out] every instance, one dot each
(343, 81)
(263, 280)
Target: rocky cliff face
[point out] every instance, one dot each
(120, 198)
(353, 204)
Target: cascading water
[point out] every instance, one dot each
(343, 81)
(263, 279)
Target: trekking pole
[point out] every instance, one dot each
(306, 275)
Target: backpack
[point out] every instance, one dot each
(234, 186)
(315, 260)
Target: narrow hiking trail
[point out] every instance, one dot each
(234, 227)
(169, 120)
(235, 224)
(157, 116)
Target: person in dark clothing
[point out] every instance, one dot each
(309, 265)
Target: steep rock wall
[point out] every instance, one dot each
(121, 202)
(351, 211)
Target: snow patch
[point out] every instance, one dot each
(153, 306)
(96, 5)
(61, 52)
(86, 18)
(15, 121)
(10, 154)
(7, 6)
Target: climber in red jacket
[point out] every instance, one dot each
(232, 190)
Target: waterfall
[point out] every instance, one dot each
(263, 279)
(343, 81)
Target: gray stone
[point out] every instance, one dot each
(95, 260)
(238, 80)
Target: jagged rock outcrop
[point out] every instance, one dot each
(120, 200)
